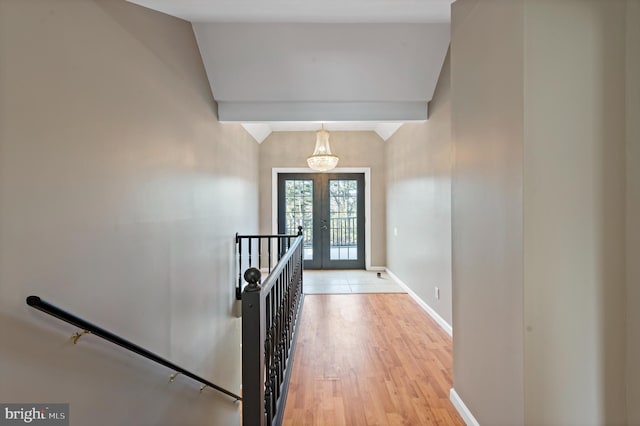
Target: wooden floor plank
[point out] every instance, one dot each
(370, 359)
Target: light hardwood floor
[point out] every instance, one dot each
(370, 359)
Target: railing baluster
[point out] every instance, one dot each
(270, 249)
(279, 249)
(272, 371)
(269, 397)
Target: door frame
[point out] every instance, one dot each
(367, 200)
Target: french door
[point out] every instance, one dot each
(330, 208)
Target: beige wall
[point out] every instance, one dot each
(538, 113)
(119, 198)
(633, 210)
(487, 126)
(355, 149)
(419, 201)
(574, 212)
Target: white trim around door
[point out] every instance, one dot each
(367, 200)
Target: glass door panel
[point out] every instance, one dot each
(299, 211)
(343, 219)
(299, 205)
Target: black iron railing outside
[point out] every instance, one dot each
(344, 231)
(293, 223)
(89, 328)
(269, 330)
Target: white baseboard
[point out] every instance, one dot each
(462, 409)
(441, 321)
(376, 268)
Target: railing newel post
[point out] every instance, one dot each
(253, 350)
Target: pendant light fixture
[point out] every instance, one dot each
(322, 159)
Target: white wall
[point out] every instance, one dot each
(419, 201)
(119, 198)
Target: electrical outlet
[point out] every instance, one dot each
(395, 231)
(437, 293)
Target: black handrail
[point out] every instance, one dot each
(41, 305)
(292, 236)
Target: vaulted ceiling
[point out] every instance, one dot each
(291, 64)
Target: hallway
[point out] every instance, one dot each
(508, 203)
(370, 359)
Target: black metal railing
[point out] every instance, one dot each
(89, 328)
(260, 251)
(292, 226)
(269, 330)
(344, 231)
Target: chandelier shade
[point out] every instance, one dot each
(322, 159)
